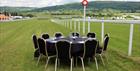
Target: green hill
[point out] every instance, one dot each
(96, 5)
(15, 9)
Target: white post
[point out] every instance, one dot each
(88, 24)
(71, 24)
(130, 40)
(67, 24)
(102, 34)
(63, 23)
(79, 26)
(84, 21)
(75, 26)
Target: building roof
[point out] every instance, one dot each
(3, 16)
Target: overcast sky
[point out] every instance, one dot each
(44, 3)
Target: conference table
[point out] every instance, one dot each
(77, 44)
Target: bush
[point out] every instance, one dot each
(30, 15)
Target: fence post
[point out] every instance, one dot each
(130, 39)
(75, 25)
(88, 24)
(84, 20)
(67, 24)
(102, 34)
(79, 26)
(63, 23)
(71, 24)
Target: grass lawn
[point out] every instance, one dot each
(16, 47)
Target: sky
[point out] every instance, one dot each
(44, 3)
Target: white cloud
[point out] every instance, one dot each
(43, 3)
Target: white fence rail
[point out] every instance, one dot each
(69, 23)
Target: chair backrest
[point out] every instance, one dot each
(58, 35)
(91, 35)
(90, 47)
(75, 34)
(42, 46)
(106, 35)
(34, 38)
(45, 36)
(106, 40)
(63, 49)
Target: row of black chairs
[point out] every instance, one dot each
(44, 36)
(58, 35)
(63, 51)
(74, 34)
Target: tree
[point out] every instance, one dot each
(30, 15)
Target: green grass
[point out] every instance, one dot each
(16, 47)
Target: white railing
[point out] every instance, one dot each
(76, 22)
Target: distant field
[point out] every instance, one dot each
(16, 47)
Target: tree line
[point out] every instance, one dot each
(16, 14)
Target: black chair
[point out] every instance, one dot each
(35, 42)
(106, 35)
(91, 35)
(106, 40)
(43, 51)
(58, 35)
(102, 49)
(90, 47)
(45, 36)
(63, 51)
(75, 34)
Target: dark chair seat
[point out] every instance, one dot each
(75, 34)
(34, 38)
(45, 36)
(36, 53)
(99, 50)
(89, 52)
(50, 53)
(102, 49)
(91, 35)
(58, 35)
(63, 51)
(43, 51)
